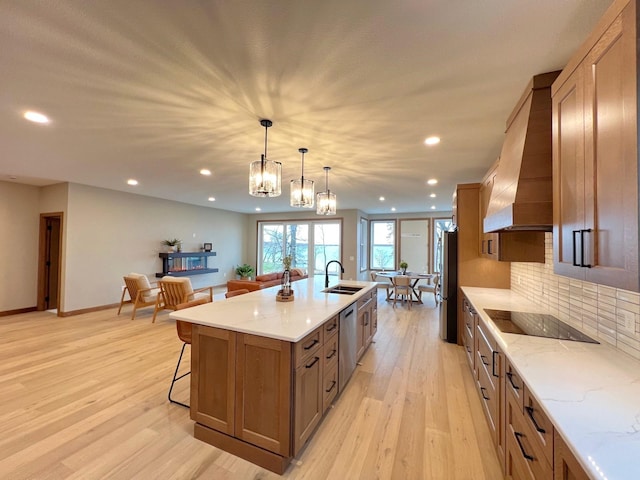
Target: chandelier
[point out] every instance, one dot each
(301, 189)
(264, 174)
(326, 200)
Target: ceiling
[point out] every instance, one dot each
(156, 90)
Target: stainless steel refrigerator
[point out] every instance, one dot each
(449, 287)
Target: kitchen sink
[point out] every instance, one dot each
(343, 289)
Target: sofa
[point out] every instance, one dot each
(264, 281)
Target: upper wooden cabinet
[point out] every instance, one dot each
(595, 156)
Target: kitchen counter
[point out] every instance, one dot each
(258, 313)
(591, 392)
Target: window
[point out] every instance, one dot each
(364, 245)
(383, 244)
(439, 225)
(311, 243)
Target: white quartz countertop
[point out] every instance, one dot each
(259, 313)
(590, 392)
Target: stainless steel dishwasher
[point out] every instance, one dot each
(348, 344)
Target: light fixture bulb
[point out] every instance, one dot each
(205, 171)
(302, 189)
(432, 140)
(36, 117)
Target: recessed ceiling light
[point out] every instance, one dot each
(382, 199)
(132, 181)
(212, 199)
(258, 209)
(432, 181)
(433, 195)
(205, 171)
(432, 140)
(393, 209)
(433, 207)
(36, 117)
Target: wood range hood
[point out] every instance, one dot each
(522, 197)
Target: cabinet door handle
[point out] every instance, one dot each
(312, 344)
(495, 362)
(524, 453)
(333, 384)
(513, 385)
(468, 349)
(575, 248)
(315, 360)
(332, 354)
(333, 327)
(489, 247)
(582, 232)
(482, 390)
(533, 420)
(484, 359)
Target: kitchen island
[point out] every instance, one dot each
(263, 373)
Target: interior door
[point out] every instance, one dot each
(49, 261)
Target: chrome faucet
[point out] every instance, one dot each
(326, 271)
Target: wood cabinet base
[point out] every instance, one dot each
(249, 452)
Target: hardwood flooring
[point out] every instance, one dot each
(85, 397)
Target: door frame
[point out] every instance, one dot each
(42, 250)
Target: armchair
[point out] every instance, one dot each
(141, 293)
(175, 291)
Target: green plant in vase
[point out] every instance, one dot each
(245, 271)
(172, 244)
(403, 266)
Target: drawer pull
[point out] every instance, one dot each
(332, 354)
(510, 377)
(315, 360)
(312, 344)
(468, 349)
(482, 390)
(495, 362)
(533, 420)
(484, 359)
(333, 327)
(524, 453)
(333, 385)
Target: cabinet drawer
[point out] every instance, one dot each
(329, 386)
(330, 328)
(486, 358)
(514, 385)
(307, 346)
(330, 352)
(521, 444)
(539, 425)
(489, 396)
(468, 348)
(364, 301)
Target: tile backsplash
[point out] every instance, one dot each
(611, 315)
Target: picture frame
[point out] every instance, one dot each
(207, 247)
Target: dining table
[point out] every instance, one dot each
(415, 278)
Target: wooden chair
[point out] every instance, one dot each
(174, 291)
(386, 285)
(184, 334)
(141, 293)
(402, 286)
(234, 293)
(433, 287)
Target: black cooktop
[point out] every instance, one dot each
(536, 324)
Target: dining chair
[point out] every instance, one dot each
(184, 330)
(234, 293)
(433, 287)
(402, 286)
(141, 293)
(386, 285)
(174, 291)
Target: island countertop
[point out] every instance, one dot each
(589, 391)
(258, 313)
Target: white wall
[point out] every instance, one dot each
(19, 226)
(110, 234)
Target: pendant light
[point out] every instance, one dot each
(264, 174)
(302, 190)
(326, 200)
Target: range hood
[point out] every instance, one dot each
(522, 197)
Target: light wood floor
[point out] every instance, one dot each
(84, 397)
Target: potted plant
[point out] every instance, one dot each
(245, 271)
(403, 267)
(172, 245)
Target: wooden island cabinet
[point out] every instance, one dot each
(262, 398)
